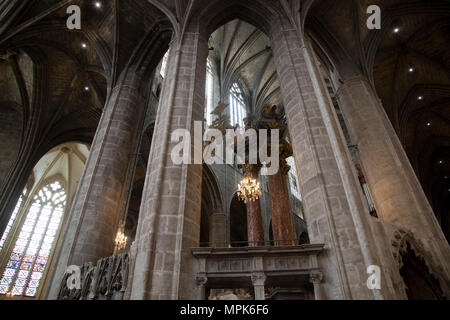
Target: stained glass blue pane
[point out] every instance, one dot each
(15, 256)
(13, 264)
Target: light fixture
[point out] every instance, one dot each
(121, 240)
(249, 189)
(98, 4)
(420, 98)
(441, 162)
(86, 88)
(396, 30)
(429, 124)
(84, 45)
(411, 70)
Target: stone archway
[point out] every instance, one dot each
(238, 223)
(421, 279)
(420, 284)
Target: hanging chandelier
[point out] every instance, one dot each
(249, 189)
(121, 240)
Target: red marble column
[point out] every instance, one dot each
(283, 228)
(254, 224)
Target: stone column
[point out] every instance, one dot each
(255, 224)
(316, 279)
(259, 281)
(255, 229)
(283, 226)
(396, 191)
(218, 230)
(325, 199)
(95, 214)
(169, 220)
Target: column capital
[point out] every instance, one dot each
(201, 280)
(258, 278)
(316, 277)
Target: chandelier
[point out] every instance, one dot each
(249, 189)
(121, 240)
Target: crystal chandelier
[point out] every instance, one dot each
(249, 189)
(121, 240)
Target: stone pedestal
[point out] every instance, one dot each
(283, 228)
(255, 224)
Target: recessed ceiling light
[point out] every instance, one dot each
(441, 162)
(396, 30)
(98, 4)
(429, 124)
(411, 69)
(86, 88)
(84, 45)
(420, 98)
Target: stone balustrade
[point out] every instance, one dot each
(259, 267)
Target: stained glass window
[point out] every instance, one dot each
(25, 268)
(237, 106)
(209, 93)
(293, 179)
(163, 70)
(12, 219)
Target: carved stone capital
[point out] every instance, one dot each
(316, 277)
(258, 278)
(201, 280)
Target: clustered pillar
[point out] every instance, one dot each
(283, 227)
(98, 204)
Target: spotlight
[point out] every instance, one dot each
(396, 30)
(86, 88)
(98, 4)
(411, 70)
(420, 98)
(84, 45)
(429, 124)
